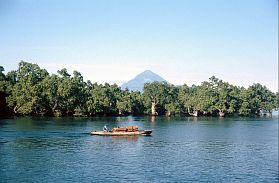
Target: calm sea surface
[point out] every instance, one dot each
(183, 149)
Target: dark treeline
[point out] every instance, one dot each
(31, 90)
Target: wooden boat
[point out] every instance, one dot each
(123, 131)
(110, 133)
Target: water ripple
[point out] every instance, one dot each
(178, 151)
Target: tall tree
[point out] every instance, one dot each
(171, 101)
(4, 92)
(124, 102)
(261, 98)
(25, 97)
(79, 94)
(226, 97)
(155, 97)
(137, 105)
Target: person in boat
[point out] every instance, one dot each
(105, 128)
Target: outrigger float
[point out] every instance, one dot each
(123, 131)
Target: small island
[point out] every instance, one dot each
(31, 90)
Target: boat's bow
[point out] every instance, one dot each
(146, 132)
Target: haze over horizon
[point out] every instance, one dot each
(113, 41)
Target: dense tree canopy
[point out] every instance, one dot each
(31, 90)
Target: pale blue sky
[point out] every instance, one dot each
(184, 41)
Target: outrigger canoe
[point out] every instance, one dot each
(123, 131)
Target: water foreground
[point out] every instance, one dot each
(180, 150)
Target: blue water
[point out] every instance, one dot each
(183, 149)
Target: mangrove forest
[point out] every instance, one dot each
(31, 90)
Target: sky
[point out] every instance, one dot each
(184, 41)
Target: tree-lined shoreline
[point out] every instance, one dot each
(30, 90)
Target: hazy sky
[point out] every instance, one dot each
(184, 41)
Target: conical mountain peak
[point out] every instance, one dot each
(138, 82)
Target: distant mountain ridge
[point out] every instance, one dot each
(138, 82)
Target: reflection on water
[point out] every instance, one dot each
(181, 149)
(126, 138)
(275, 112)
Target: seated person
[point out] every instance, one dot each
(105, 128)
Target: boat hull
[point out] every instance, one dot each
(110, 133)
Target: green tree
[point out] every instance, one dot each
(171, 101)
(244, 98)
(124, 102)
(261, 98)
(277, 100)
(102, 99)
(25, 97)
(187, 98)
(4, 92)
(226, 97)
(79, 94)
(137, 105)
(156, 95)
(206, 97)
(65, 93)
(53, 97)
